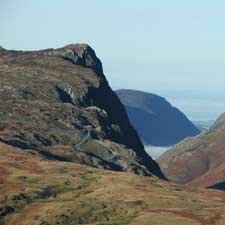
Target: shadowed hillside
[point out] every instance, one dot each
(157, 122)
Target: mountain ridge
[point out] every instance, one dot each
(198, 161)
(156, 120)
(52, 96)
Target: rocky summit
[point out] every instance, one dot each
(57, 103)
(198, 161)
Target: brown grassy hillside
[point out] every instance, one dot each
(198, 161)
(37, 191)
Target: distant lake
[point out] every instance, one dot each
(204, 124)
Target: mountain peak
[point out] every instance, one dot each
(219, 124)
(82, 54)
(57, 102)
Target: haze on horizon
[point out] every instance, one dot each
(172, 48)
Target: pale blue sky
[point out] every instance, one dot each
(157, 46)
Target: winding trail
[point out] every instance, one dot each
(85, 139)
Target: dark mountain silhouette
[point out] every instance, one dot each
(157, 122)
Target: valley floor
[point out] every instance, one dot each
(36, 191)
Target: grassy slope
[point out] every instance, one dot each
(36, 191)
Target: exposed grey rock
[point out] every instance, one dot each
(58, 103)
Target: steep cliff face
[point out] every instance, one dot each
(57, 103)
(200, 160)
(156, 120)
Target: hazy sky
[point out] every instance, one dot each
(156, 46)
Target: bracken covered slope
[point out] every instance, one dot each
(36, 191)
(59, 104)
(156, 120)
(200, 160)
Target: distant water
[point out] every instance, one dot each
(203, 125)
(156, 151)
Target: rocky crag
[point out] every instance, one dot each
(57, 103)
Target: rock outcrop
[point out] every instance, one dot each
(200, 160)
(156, 120)
(57, 103)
